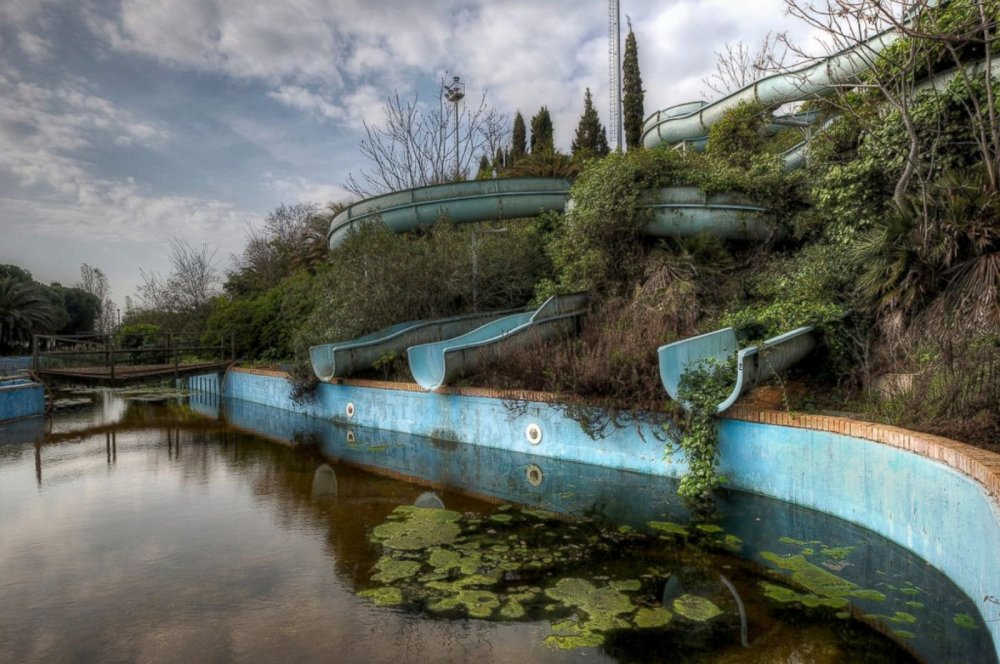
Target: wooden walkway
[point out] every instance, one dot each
(95, 359)
(129, 374)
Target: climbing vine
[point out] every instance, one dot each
(702, 386)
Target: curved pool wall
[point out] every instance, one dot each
(764, 527)
(927, 494)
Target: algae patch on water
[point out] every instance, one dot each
(530, 565)
(416, 528)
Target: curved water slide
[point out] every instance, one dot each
(342, 358)
(753, 363)
(435, 364)
(692, 121)
(676, 211)
(459, 202)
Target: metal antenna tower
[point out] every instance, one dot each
(615, 66)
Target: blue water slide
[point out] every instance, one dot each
(753, 363)
(691, 121)
(342, 358)
(459, 202)
(435, 364)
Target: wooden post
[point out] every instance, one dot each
(177, 370)
(110, 345)
(34, 353)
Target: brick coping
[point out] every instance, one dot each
(981, 465)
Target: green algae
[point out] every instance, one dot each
(416, 528)
(477, 603)
(386, 596)
(391, 570)
(732, 543)
(915, 604)
(569, 635)
(512, 610)
(819, 581)
(501, 518)
(602, 605)
(541, 515)
(788, 596)
(837, 553)
(646, 618)
(903, 634)
(965, 621)
(696, 609)
(710, 528)
(669, 528)
(627, 586)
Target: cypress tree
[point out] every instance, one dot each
(520, 140)
(590, 135)
(498, 160)
(541, 132)
(485, 170)
(632, 90)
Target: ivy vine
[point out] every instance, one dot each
(703, 385)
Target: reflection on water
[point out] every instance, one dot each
(144, 532)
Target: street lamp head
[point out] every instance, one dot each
(456, 91)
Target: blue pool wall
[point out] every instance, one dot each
(21, 397)
(944, 516)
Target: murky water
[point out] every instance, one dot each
(137, 531)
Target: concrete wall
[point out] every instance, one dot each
(21, 397)
(928, 494)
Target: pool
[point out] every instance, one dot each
(220, 530)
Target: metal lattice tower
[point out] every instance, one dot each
(615, 67)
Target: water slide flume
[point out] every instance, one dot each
(459, 202)
(693, 120)
(435, 364)
(753, 363)
(342, 358)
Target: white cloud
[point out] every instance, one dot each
(302, 190)
(306, 100)
(35, 47)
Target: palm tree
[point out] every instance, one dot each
(24, 311)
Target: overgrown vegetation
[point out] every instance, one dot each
(888, 242)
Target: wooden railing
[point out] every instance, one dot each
(115, 352)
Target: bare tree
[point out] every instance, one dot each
(190, 285)
(415, 146)
(738, 66)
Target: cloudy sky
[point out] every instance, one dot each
(124, 123)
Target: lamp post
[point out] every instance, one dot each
(455, 93)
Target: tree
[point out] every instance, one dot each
(519, 146)
(415, 147)
(292, 237)
(738, 66)
(24, 311)
(591, 138)
(632, 111)
(95, 282)
(184, 296)
(15, 272)
(935, 37)
(485, 171)
(82, 310)
(542, 132)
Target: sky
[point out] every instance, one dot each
(127, 123)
